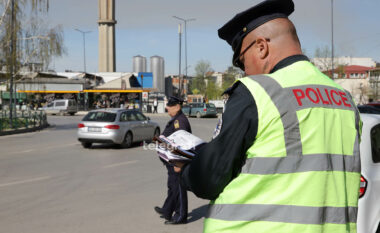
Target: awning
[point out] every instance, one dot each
(117, 91)
(45, 92)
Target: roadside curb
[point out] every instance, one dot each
(24, 130)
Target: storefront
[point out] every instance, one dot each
(131, 98)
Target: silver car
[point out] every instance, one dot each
(118, 126)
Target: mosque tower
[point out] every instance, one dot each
(107, 53)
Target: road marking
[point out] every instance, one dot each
(61, 145)
(119, 164)
(26, 151)
(45, 148)
(25, 181)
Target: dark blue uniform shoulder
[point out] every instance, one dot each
(178, 122)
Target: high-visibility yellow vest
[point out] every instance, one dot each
(302, 172)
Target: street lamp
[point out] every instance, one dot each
(84, 47)
(185, 21)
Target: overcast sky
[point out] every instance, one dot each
(147, 28)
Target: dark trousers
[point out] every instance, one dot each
(154, 109)
(176, 201)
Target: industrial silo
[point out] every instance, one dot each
(157, 67)
(139, 64)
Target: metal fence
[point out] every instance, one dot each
(24, 119)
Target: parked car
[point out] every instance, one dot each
(199, 110)
(119, 126)
(375, 104)
(369, 201)
(368, 109)
(61, 107)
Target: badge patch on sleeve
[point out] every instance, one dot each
(217, 128)
(176, 124)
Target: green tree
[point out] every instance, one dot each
(202, 71)
(212, 91)
(202, 68)
(230, 76)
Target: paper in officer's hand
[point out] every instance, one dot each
(185, 140)
(179, 146)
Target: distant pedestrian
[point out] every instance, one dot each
(155, 104)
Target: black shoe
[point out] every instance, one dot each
(172, 222)
(165, 217)
(159, 210)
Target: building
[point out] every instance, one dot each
(217, 78)
(374, 83)
(324, 63)
(175, 81)
(356, 80)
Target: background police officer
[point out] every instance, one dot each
(176, 201)
(278, 165)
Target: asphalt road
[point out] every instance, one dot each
(49, 183)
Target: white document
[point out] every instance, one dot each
(185, 140)
(178, 146)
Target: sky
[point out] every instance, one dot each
(147, 28)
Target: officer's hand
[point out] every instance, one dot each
(177, 169)
(178, 166)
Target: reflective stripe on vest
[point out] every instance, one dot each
(283, 213)
(318, 162)
(288, 101)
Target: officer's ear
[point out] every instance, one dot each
(262, 47)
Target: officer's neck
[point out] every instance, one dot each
(179, 112)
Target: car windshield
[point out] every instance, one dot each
(368, 109)
(375, 143)
(210, 105)
(100, 116)
(60, 103)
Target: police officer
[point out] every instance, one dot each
(287, 155)
(176, 201)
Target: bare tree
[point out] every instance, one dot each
(322, 58)
(34, 41)
(23, 40)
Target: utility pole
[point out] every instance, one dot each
(332, 39)
(13, 59)
(179, 60)
(185, 22)
(84, 47)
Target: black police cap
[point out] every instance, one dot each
(243, 23)
(172, 101)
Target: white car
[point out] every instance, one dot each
(369, 201)
(61, 107)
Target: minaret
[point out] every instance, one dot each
(107, 54)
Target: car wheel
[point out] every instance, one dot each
(72, 113)
(128, 139)
(86, 144)
(199, 115)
